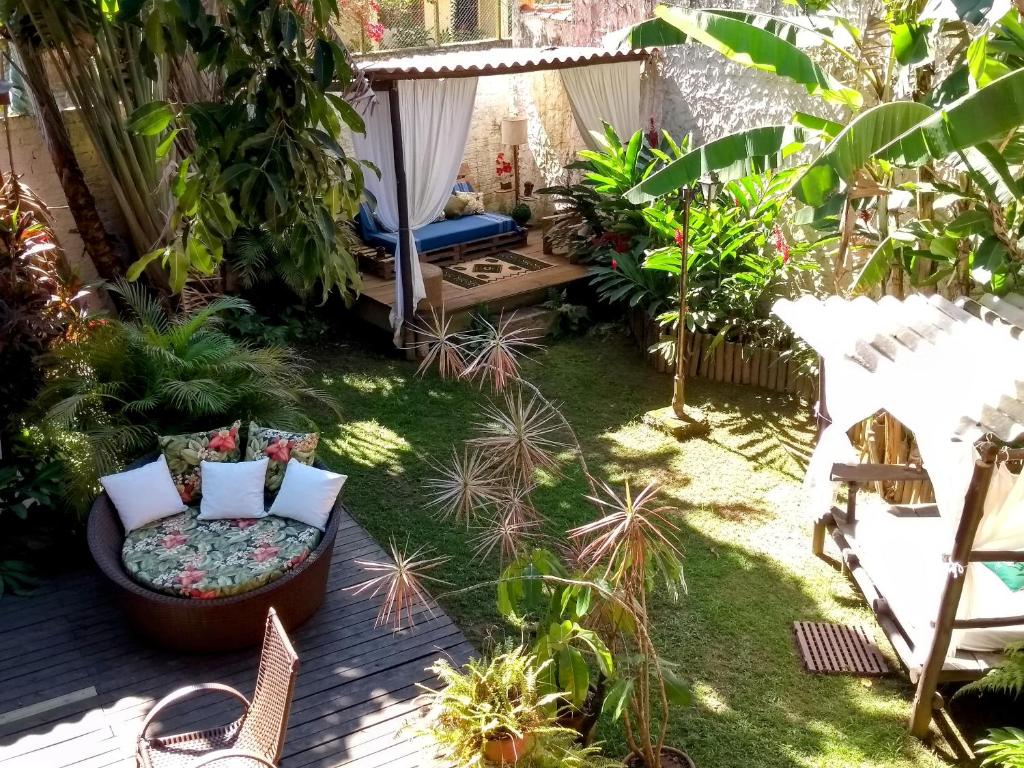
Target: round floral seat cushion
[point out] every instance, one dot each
(186, 557)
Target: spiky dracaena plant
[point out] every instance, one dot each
(113, 389)
(498, 350)
(507, 534)
(634, 543)
(464, 488)
(439, 346)
(521, 437)
(402, 583)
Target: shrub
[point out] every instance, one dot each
(126, 381)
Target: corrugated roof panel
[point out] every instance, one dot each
(492, 61)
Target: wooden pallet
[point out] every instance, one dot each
(838, 649)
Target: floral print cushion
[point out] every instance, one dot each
(185, 452)
(280, 447)
(186, 557)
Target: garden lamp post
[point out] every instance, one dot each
(708, 187)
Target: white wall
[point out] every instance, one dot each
(32, 162)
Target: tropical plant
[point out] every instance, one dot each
(111, 391)
(852, 185)
(630, 547)
(92, 52)
(1004, 746)
(552, 615)
(259, 166)
(499, 701)
(402, 582)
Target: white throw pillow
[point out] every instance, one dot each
(144, 494)
(232, 490)
(307, 494)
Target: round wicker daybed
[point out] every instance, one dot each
(218, 624)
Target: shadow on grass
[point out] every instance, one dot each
(746, 554)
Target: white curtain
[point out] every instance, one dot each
(604, 92)
(435, 118)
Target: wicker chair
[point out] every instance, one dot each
(254, 739)
(220, 624)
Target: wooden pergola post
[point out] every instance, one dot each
(959, 558)
(405, 240)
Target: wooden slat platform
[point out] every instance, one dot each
(75, 683)
(378, 295)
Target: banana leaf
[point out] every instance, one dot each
(731, 157)
(853, 148)
(746, 44)
(985, 114)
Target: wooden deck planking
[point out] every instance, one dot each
(75, 684)
(456, 299)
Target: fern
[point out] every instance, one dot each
(1007, 678)
(126, 381)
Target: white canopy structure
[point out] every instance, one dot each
(941, 578)
(416, 136)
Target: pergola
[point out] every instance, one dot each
(385, 75)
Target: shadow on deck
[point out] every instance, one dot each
(75, 683)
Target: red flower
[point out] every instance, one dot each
(279, 450)
(375, 32)
(864, 215)
(224, 441)
(652, 133)
(187, 489)
(679, 238)
(264, 552)
(781, 245)
(615, 264)
(190, 577)
(299, 558)
(174, 540)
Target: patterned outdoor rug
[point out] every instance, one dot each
(470, 274)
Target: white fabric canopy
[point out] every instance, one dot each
(604, 92)
(950, 378)
(435, 117)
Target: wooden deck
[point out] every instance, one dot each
(378, 295)
(75, 684)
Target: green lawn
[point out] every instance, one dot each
(748, 564)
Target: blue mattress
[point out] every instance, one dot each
(444, 234)
(440, 234)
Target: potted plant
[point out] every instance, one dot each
(521, 214)
(492, 711)
(552, 614)
(633, 545)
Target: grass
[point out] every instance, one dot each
(748, 563)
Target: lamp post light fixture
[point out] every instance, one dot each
(678, 420)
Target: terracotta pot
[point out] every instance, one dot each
(509, 750)
(670, 758)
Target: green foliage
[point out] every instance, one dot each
(1003, 747)
(571, 318)
(294, 324)
(499, 698)
(971, 121)
(521, 213)
(1006, 678)
(111, 392)
(552, 616)
(261, 161)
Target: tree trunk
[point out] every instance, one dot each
(81, 202)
